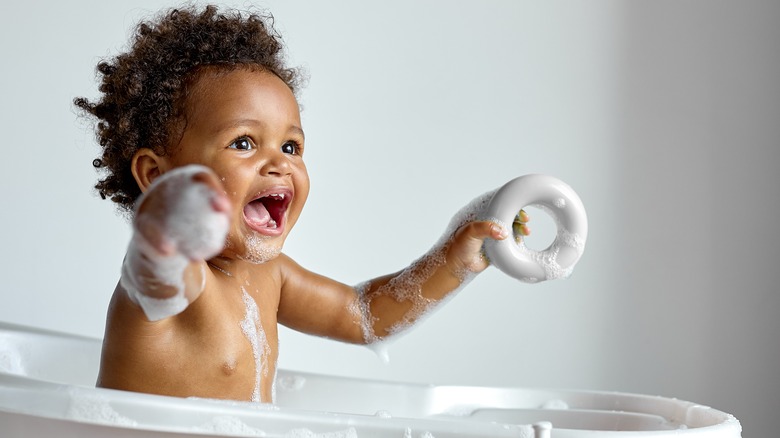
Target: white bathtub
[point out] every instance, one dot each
(47, 390)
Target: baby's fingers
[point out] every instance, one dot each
(185, 211)
(522, 216)
(519, 225)
(477, 232)
(155, 236)
(219, 202)
(466, 248)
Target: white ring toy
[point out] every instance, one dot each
(562, 203)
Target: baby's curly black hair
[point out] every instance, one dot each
(143, 89)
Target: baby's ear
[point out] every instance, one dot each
(146, 166)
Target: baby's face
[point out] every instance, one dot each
(246, 126)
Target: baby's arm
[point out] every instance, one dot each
(389, 304)
(179, 223)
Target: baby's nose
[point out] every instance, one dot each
(276, 164)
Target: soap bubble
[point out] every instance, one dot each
(86, 406)
(258, 249)
(254, 332)
(291, 383)
(554, 404)
(227, 425)
(306, 433)
(383, 414)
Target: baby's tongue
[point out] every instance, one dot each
(256, 213)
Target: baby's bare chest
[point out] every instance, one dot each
(236, 344)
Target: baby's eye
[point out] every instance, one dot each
(242, 144)
(291, 147)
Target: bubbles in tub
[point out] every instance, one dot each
(383, 414)
(560, 203)
(227, 425)
(306, 433)
(87, 406)
(554, 404)
(239, 403)
(253, 330)
(408, 434)
(10, 358)
(461, 410)
(291, 383)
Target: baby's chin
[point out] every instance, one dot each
(257, 248)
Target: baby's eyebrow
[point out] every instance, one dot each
(253, 123)
(298, 130)
(238, 124)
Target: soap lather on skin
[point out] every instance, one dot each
(189, 222)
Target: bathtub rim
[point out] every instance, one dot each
(718, 423)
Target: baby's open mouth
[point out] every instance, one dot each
(266, 213)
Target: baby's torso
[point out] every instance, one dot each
(224, 345)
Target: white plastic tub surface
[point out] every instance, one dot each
(47, 390)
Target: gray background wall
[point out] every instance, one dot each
(664, 116)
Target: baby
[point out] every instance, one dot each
(203, 147)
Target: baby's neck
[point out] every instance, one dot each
(234, 267)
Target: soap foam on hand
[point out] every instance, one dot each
(501, 207)
(191, 224)
(190, 228)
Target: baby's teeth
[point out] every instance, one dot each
(271, 224)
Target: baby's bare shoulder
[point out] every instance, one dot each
(274, 270)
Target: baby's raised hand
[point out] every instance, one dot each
(184, 212)
(466, 250)
(181, 220)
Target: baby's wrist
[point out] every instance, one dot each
(153, 281)
(461, 270)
